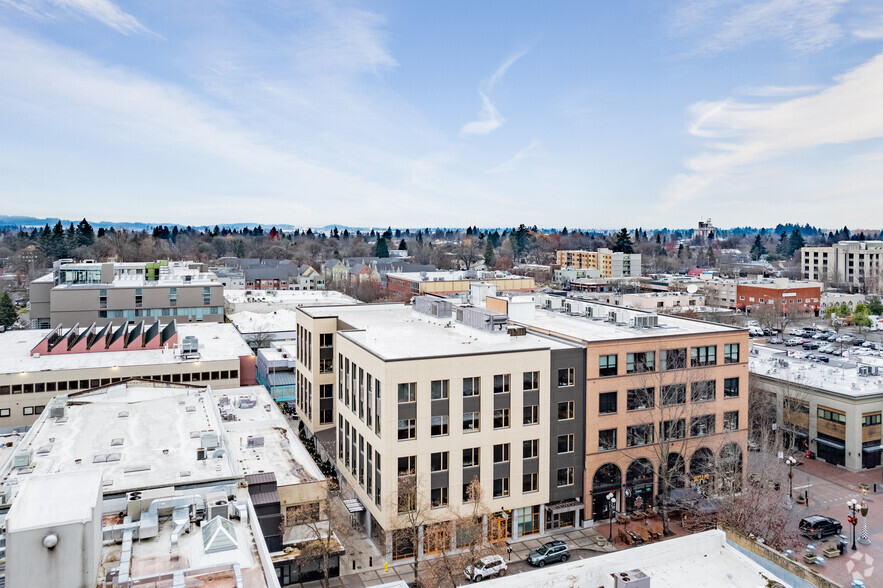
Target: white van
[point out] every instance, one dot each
(755, 332)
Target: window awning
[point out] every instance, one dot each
(282, 379)
(833, 444)
(872, 449)
(353, 505)
(564, 505)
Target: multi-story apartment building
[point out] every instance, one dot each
(609, 264)
(424, 400)
(35, 365)
(787, 296)
(92, 292)
(857, 264)
(658, 388)
(454, 282)
(834, 411)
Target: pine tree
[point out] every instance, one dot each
(85, 234)
(622, 242)
(758, 249)
(8, 316)
(712, 260)
(381, 249)
(403, 246)
(489, 258)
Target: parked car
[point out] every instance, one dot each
(486, 567)
(776, 340)
(755, 332)
(857, 342)
(548, 553)
(817, 526)
(795, 332)
(831, 338)
(768, 332)
(811, 345)
(793, 341)
(822, 358)
(819, 336)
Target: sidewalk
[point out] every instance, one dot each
(841, 476)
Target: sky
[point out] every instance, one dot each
(589, 114)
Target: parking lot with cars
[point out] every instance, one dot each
(825, 345)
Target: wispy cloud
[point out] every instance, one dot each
(742, 136)
(778, 91)
(104, 11)
(512, 163)
(867, 23)
(489, 118)
(803, 26)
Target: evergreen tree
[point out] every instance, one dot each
(622, 242)
(381, 249)
(758, 249)
(489, 258)
(85, 234)
(712, 260)
(101, 232)
(335, 234)
(239, 248)
(403, 246)
(795, 242)
(681, 251)
(564, 231)
(8, 316)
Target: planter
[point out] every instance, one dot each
(800, 499)
(831, 552)
(809, 558)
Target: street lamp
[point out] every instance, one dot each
(853, 507)
(611, 510)
(791, 462)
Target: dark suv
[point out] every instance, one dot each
(817, 526)
(548, 553)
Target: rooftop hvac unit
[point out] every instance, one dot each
(190, 344)
(23, 458)
(645, 321)
(217, 505)
(255, 441)
(56, 412)
(208, 440)
(632, 579)
(246, 402)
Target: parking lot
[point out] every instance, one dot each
(828, 346)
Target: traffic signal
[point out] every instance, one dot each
(851, 519)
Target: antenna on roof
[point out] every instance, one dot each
(692, 289)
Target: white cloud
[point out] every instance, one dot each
(777, 91)
(489, 118)
(104, 11)
(744, 136)
(804, 26)
(512, 163)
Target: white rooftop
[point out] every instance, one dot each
(396, 331)
(451, 275)
(280, 452)
(217, 341)
(703, 560)
(840, 375)
(136, 435)
(288, 297)
(283, 319)
(73, 495)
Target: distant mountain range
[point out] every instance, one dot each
(30, 222)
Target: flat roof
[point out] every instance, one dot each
(217, 342)
(136, 435)
(71, 494)
(702, 559)
(396, 331)
(451, 275)
(297, 297)
(280, 450)
(283, 319)
(839, 376)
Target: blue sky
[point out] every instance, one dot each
(584, 114)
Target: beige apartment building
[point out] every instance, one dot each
(424, 400)
(112, 292)
(609, 264)
(656, 386)
(30, 379)
(856, 264)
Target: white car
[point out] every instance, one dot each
(486, 567)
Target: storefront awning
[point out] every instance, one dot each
(353, 505)
(872, 449)
(833, 444)
(564, 505)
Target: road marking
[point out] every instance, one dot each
(802, 487)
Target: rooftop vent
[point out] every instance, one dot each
(632, 579)
(255, 441)
(22, 459)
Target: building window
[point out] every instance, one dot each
(644, 361)
(829, 415)
(502, 384)
(639, 435)
(640, 398)
(607, 365)
(471, 457)
(138, 298)
(439, 426)
(501, 418)
(607, 440)
(439, 389)
(408, 392)
(407, 429)
(607, 403)
(566, 377)
(704, 391)
(501, 487)
(531, 414)
(206, 295)
(438, 497)
(326, 340)
(471, 422)
(674, 359)
(4, 412)
(326, 416)
(673, 429)
(531, 381)
(731, 420)
(566, 410)
(702, 425)
(471, 386)
(326, 365)
(565, 477)
(869, 420)
(731, 387)
(439, 462)
(530, 483)
(731, 353)
(565, 443)
(673, 395)
(531, 448)
(408, 465)
(501, 453)
(703, 356)
(28, 410)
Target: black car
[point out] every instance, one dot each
(810, 345)
(817, 526)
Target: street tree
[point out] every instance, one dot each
(8, 315)
(312, 529)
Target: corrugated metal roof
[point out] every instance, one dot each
(264, 498)
(261, 478)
